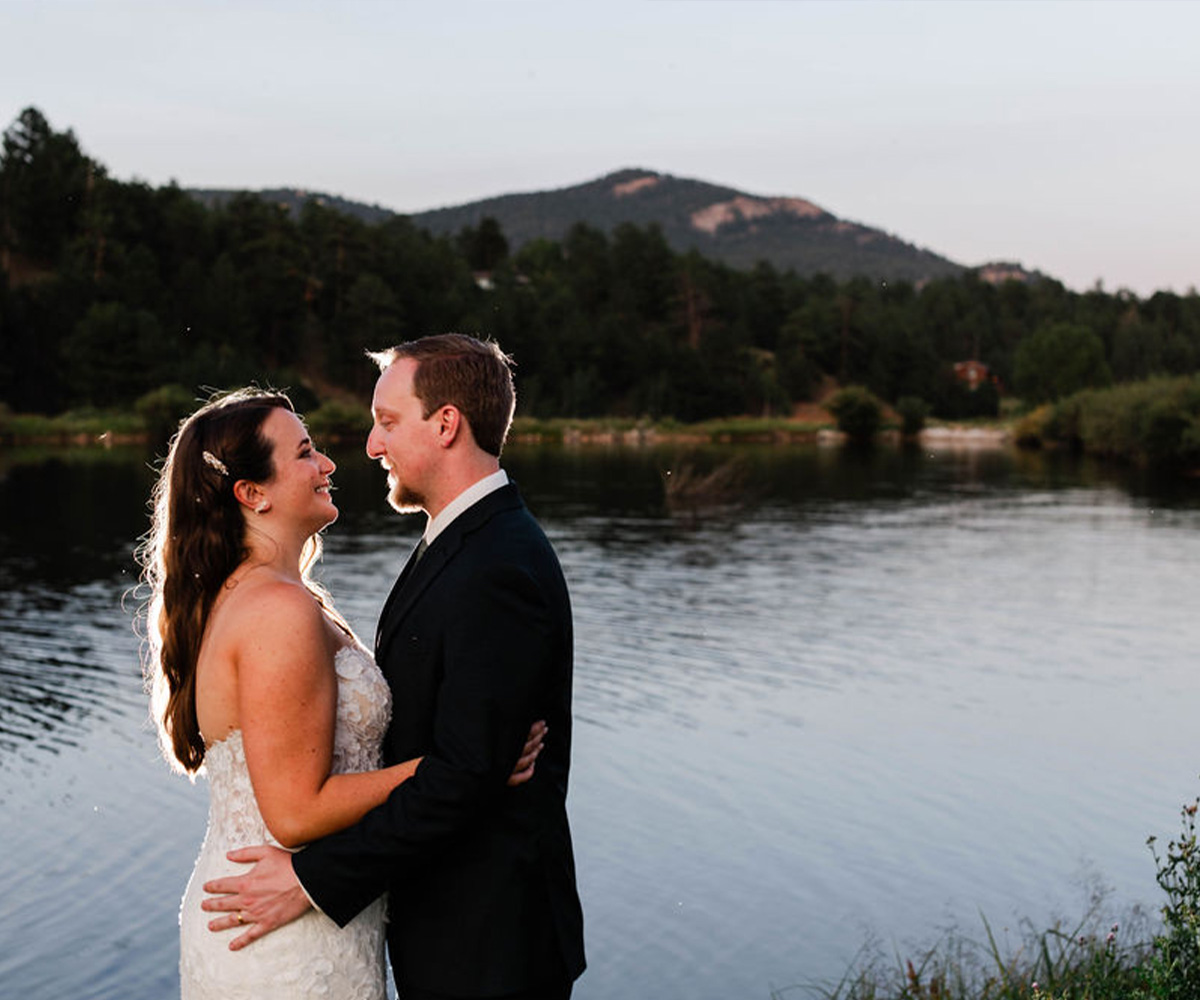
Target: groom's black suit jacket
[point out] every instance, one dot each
(475, 642)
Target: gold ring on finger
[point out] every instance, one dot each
(240, 918)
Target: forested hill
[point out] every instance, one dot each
(721, 223)
(116, 294)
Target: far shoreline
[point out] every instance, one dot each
(112, 430)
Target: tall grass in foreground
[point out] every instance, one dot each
(1136, 958)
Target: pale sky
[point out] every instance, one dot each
(1063, 135)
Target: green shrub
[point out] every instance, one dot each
(1093, 959)
(1155, 422)
(858, 412)
(163, 408)
(338, 418)
(913, 413)
(1030, 430)
(1063, 424)
(1178, 946)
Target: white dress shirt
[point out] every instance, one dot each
(467, 498)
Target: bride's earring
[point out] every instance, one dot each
(263, 507)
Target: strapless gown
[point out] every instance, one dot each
(311, 957)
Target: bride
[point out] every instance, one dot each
(258, 681)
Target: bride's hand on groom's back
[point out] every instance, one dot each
(265, 898)
(524, 768)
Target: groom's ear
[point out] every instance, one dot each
(450, 425)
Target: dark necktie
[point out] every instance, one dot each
(422, 545)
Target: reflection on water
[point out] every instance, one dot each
(869, 692)
(70, 521)
(57, 669)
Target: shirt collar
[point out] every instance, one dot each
(467, 498)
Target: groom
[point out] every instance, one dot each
(475, 641)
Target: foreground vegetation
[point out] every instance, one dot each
(1094, 959)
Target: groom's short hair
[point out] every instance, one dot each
(457, 370)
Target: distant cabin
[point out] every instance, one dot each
(974, 373)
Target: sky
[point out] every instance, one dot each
(1060, 135)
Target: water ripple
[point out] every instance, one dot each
(880, 694)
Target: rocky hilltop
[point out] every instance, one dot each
(721, 223)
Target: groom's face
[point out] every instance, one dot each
(401, 439)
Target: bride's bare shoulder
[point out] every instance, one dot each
(268, 610)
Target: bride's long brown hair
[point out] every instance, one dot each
(197, 539)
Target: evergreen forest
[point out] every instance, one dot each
(110, 290)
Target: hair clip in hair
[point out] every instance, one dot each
(214, 462)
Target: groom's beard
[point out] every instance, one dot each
(404, 499)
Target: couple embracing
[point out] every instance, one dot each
(428, 780)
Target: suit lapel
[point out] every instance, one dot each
(391, 598)
(416, 577)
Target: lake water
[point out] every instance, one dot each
(878, 695)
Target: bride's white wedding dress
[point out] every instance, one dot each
(310, 957)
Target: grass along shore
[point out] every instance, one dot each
(1153, 422)
(1137, 957)
(338, 422)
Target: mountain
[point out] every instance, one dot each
(721, 223)
(293, 200)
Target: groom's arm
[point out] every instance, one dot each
(496, 660)
(270, 895)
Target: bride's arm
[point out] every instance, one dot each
(287, 701)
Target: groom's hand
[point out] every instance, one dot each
(266, 897)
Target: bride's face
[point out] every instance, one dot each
(300, 489)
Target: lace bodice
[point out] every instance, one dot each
(364, 708)
(310, 957)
